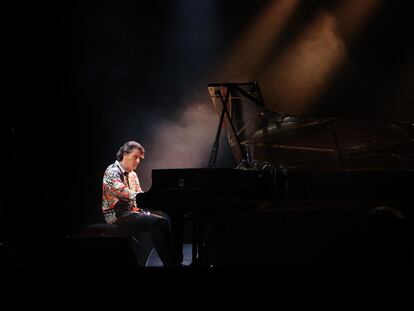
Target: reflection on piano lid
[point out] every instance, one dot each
(268, 137)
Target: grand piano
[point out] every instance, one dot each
(304, 191)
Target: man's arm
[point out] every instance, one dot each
(116, 187)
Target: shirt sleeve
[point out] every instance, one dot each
(116, 187)
(135, 182)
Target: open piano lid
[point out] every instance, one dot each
(271, 138)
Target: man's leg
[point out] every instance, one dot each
(158, 229)
(176, 225)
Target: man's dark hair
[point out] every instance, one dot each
(127, 148)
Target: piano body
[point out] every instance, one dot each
(304, 191)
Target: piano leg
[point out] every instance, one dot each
(196, 237)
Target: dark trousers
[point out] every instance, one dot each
(165, 235)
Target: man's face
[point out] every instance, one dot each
(131, 160)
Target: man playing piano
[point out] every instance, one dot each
(119, 204)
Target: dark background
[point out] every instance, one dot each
(88, 76)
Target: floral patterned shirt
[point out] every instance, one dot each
(119, 191)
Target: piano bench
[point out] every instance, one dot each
(140, 243)
(102, 230)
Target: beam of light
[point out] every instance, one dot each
(302, 71)
(248, 54)
(192, 17)
(185, 142)
(295, 81)
(182, 143)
